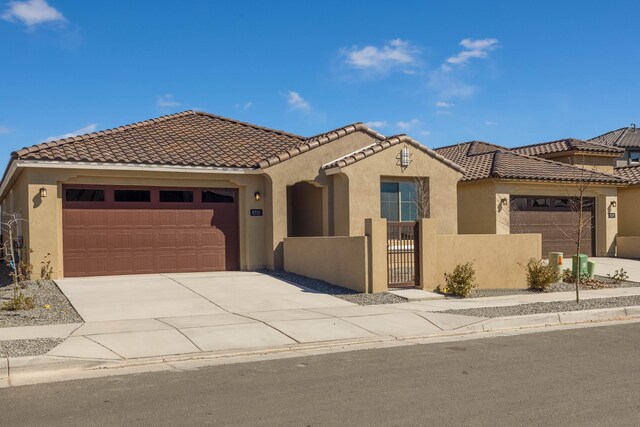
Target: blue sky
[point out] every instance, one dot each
(443, 72)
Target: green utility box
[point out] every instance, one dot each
(582, 261)
(591, 269)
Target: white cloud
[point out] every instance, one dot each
(87, 129)
(393, 54)
(377, 124)
(425, 133)
(166, 101)
(32, 12)
(5, 129)
(247, 105)
(490, 123)
(443, 112)
(297, 102)
(444, 104)
(472, 49)
(407, 125)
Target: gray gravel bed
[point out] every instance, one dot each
(33, 347)
(605, 283)
(336, 291)
(44, 293)
(548, 307)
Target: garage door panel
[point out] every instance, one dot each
(557, 227)
(106, 239)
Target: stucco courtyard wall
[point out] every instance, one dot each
(341, 261)
(498, 260)
(45, 214)
(629, 211)
(628, 247)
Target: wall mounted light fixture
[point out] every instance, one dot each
(257, 196)
(504, 201)
(43, 192)
(405, 157)
(613, 204)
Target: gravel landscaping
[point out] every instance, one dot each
(548, 307)
(34, 347)
(601, 282)
(51, 306)
(336, 291)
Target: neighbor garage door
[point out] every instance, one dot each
(556, 218)
(126, 230)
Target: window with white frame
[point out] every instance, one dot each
(398, 201)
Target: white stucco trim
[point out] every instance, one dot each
(48, 164)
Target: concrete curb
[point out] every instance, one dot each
(34, 365)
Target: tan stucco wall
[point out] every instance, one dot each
(477, 207)
(305, 167)
(341, 261)
(480, 210)
(17, 201)
(45, 215)
(498, 260)
(597, 163)
(364, 186)
(629, 211)
(628, 247)
(305, 210)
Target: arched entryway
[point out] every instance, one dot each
(305, 210)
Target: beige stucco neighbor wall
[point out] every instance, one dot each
(629, 211)
(477, 207)
(342, 261)
(598, 163)
(498, 259)
(364, 187)
(45, 215)
(480, 210)
(17, 202)
(628, 247)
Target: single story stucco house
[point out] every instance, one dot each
(531, 189)
(197, 192)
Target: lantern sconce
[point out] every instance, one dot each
(405, 157)
(613, 204)
(257, 196)
(43, 192)
(504, 201)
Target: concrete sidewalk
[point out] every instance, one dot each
(226, 331)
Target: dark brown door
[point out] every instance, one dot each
(126, 230)
(556, 218)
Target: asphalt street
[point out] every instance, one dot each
(588, 376)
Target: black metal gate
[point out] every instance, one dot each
(402, 254)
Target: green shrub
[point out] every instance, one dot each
(619, 276)
(541, 275)
(461, 281)
(18, 302)
(46, 270)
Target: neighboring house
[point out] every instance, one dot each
(629, 209)
(628, 139)
(530, 189)
(197, 192)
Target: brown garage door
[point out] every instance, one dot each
(126, 230)
(556, 218)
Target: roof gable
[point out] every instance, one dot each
(379, 146)
(627, 137)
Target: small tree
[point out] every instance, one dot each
(422, 197)
(582, 223)
(9, 226)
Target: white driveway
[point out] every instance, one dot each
(186, 294)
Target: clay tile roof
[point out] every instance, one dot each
(630, 173)
(378, 146)
(188, 138)
(482, 160)
(623, 137)
(317, 141)
(566, 145)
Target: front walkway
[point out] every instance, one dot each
(606, 266)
